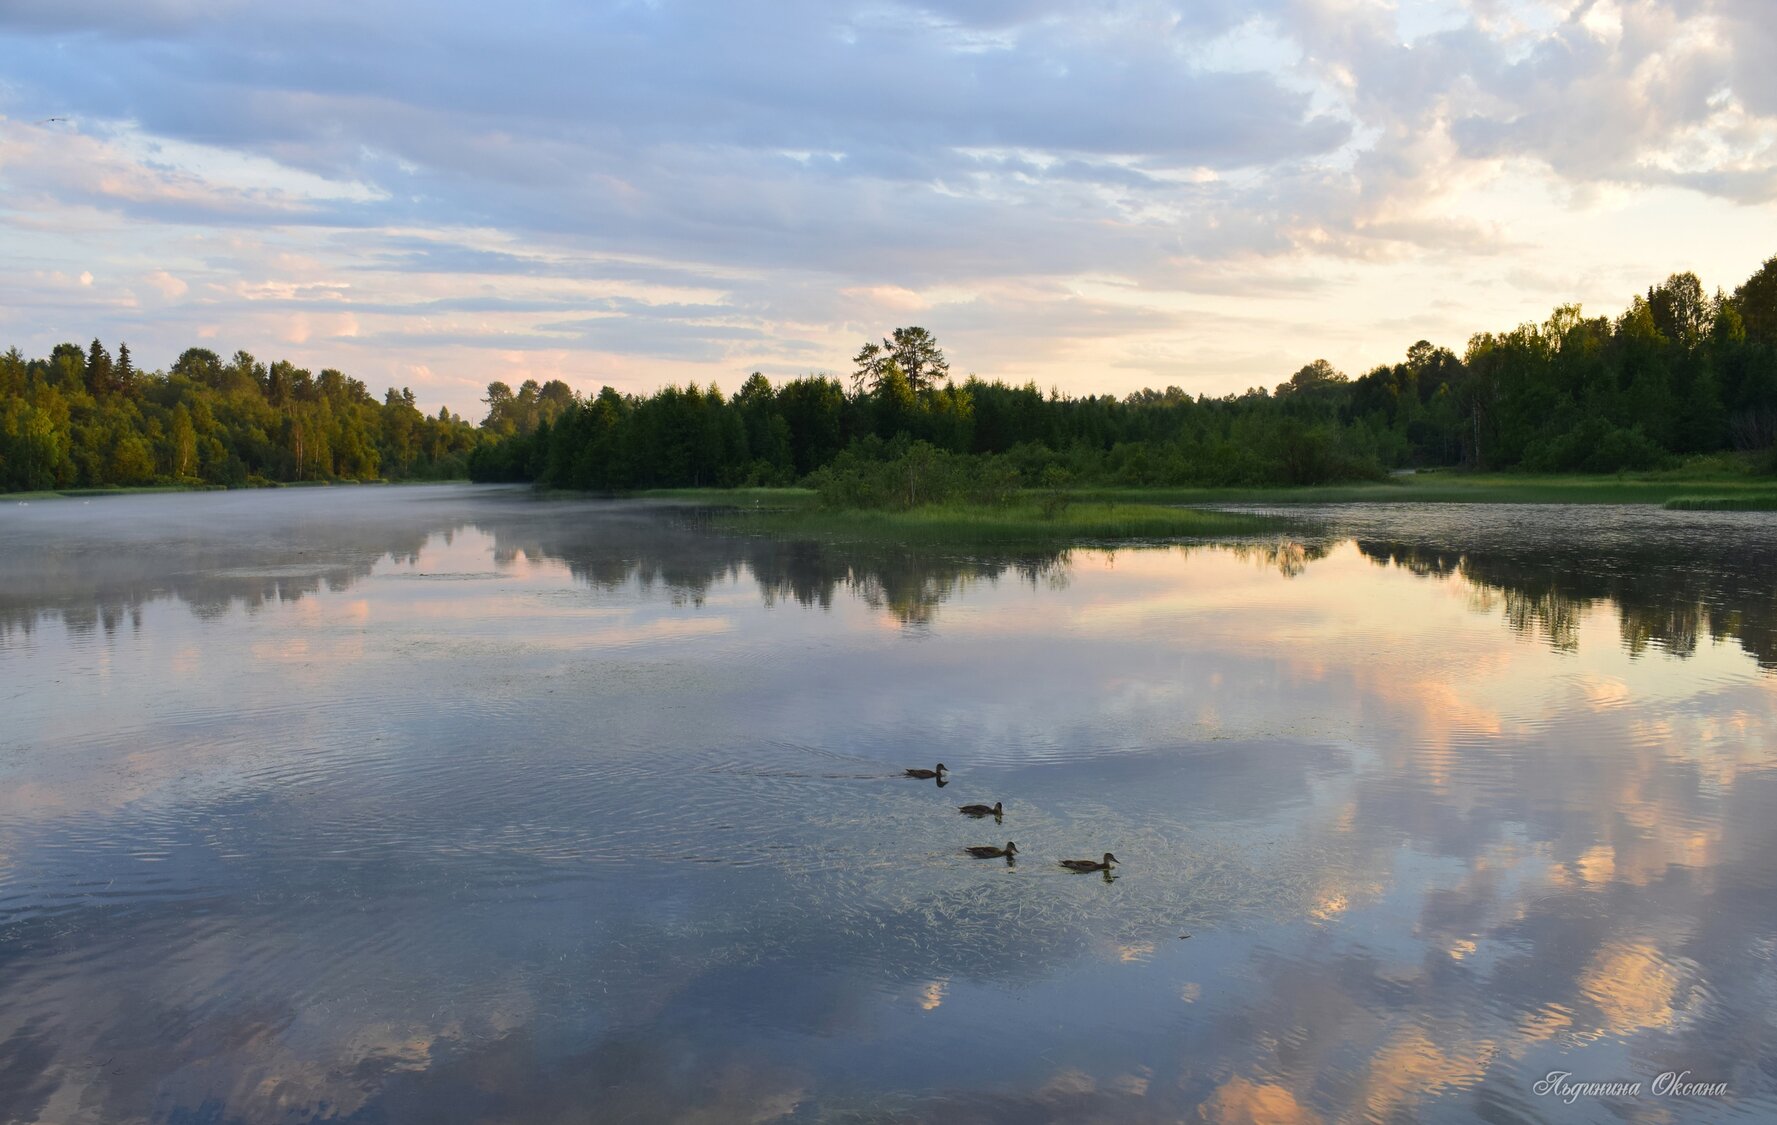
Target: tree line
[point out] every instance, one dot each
(1679, 372)
(83, 418)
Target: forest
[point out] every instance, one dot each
(83, 418)
(1678, 374)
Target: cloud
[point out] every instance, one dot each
(168, 285)
(799, 160)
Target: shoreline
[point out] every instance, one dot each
(163, 489)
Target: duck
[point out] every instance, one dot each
(992, 810)
(1008, 851)
(1090, 865)
(927, 775)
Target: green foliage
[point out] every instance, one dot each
(532, 406)
(909, 353)
(1756, 304)
(1595, 446)
(1678, 374)
(1054, 498)
(83, 419)
(904, 475)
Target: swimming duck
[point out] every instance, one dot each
(926, 775)
(992, 810)
(1008, 851)
(1089, 865)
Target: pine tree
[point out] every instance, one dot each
(124, 375)
(99, 371)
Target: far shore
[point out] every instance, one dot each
(148, 489)
(1673, 489)
(1678, 489)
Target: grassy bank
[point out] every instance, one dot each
(1125, 514)
(141, 489)
(118, 490)
(1749, 502)
(1463, 488)
(732, 497)
(1690, 489)
(968, 524)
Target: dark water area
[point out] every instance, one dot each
(452, 804)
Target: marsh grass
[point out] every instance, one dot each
(109, 490)
(205, 486)
(1751, 502)
(1112, 514)
(1022, 522)
(733, 497)
(1461, 488)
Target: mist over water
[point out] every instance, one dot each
(455, 804)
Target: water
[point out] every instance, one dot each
(450, 804)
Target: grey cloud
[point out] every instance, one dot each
(778, 154)
(441, 255)
(756, 77)
(1592, 103)
(1754, 34)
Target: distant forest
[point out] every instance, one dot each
(83, 418)
(1679, 372)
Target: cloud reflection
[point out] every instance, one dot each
(543, 838)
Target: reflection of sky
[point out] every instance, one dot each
(551, 808)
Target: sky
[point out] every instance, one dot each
(1096, 195)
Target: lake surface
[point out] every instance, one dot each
(450, 804)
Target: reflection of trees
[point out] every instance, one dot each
(1288, 557)
(907, 584)
(688, 561)
(1667, 596)
(102, 575)
(90, 585)
(911, 587)
(1669, 593)
(1547, 612)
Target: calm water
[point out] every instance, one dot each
(453, 805)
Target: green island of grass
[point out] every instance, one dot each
(1448, 487)
(1018, 523)
(1121, 514)
(1747, 502)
